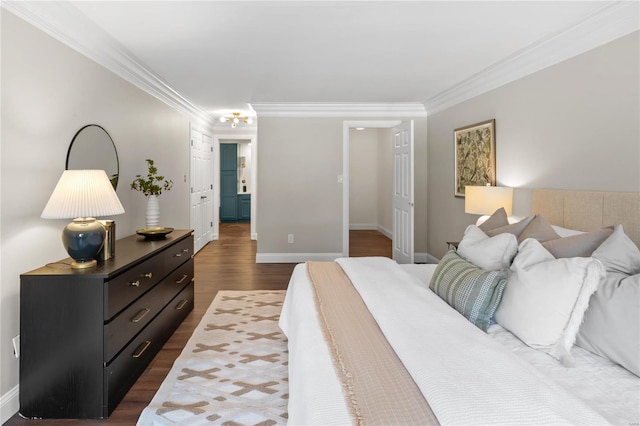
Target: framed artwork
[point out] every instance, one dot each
(475, 155)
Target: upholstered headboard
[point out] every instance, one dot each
(589, 210)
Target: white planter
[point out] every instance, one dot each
(153, 211)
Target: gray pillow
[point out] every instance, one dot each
(582, 245)
(618, 253)
(496, 220)
(612, 322)
(538, 229)
(514, 228)
(611, 325)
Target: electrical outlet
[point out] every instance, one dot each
(290, 238)
(16, 346)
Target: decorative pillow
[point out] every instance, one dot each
(612, 323)
(566, 232)
(496, 220)
(530, 227)
(545, 298)
(581, 245)
(538, 229)
(514, 228)
(618, 253)
(472, 291)
(487, 253)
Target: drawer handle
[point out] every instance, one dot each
(185, 250)
(181, 304)
(135, 283)
(143, 347)
(148, 275)
(178, 255)
(143, 313)
(184, 277)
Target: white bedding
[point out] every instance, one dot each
(506, 389)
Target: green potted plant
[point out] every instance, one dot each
(152, 186)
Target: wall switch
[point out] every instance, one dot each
(16, 346)
(290, 238)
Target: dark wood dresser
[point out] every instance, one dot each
(86, 336)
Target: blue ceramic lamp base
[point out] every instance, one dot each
(83, 238)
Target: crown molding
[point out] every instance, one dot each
(340, 110)
(610, 22)
(65, 23)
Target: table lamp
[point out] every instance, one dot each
(82, 195)
(485, 200)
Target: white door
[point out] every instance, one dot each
(201, 188)
(403, 193)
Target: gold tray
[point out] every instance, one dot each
(154, 233)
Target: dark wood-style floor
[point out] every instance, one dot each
(225, 264)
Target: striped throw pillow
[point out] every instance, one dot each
(472, 291)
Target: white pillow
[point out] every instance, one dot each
(487, 252)
(545, 298)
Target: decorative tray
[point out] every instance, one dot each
(154, 233)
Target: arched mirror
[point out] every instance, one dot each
(93, 148)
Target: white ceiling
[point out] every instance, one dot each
(224, 55)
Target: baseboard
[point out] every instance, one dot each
(254, 236)
(432, 259)
(9, 404)
(385, 232)
(295, 257)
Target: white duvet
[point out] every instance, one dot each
(467, 377)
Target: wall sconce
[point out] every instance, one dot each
(485, 200)
(82, 195)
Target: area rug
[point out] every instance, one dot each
(232, 371)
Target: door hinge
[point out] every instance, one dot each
(192, 189)
(211, 226)
(211, 149)
(191, 142)
(211, 186)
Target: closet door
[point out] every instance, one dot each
(228, 182)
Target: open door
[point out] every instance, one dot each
(403, 193)
(201, 188)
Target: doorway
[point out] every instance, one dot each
(246, 147)
(400, 205)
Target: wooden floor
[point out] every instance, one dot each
(225, 264)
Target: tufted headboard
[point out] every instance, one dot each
(589, 210)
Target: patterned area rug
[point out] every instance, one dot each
(232, 371)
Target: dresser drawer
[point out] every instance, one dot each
(134, 318)
(131, 284)
(125, 368)
(178, 253)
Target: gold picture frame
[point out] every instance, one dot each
(475, 155)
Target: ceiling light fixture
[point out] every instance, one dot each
(236, 119)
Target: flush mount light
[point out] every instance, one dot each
(235, 119)
(359, 128)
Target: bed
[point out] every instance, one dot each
(486, 348)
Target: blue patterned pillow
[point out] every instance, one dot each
(472, 291)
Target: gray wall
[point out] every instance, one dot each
(574, 125)
(49, 92)
(299, 163)
(370, 179)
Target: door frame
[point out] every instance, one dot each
(346, 126)
(253, 140)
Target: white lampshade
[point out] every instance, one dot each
(82, 193)
(485, 200)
